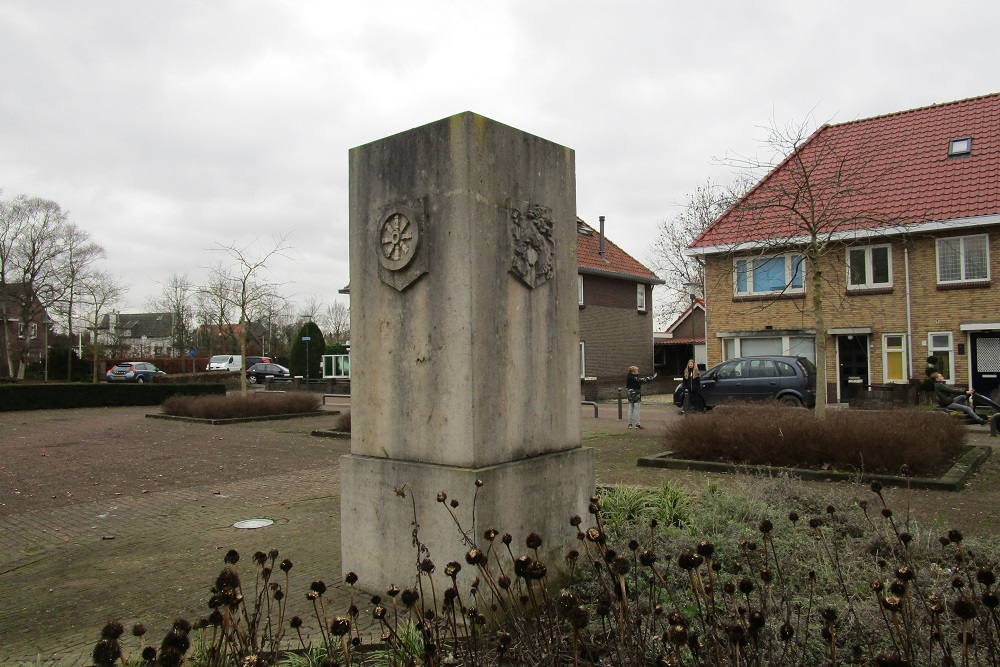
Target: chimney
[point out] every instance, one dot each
(601, 248)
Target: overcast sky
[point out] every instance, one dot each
(167, 128)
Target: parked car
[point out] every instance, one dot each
(789, 380)
(262, 372)
(225, 362)
(133, 371)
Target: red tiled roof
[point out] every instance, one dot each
(615, 261)
(899, 168)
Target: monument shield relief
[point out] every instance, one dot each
(402, 257)
(531, 244)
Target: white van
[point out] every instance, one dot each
(225, 362)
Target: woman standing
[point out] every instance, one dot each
(692, 385)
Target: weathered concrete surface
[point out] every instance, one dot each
(466, 365)
(465, 356)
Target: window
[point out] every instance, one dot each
(583, 361)
(769, 275)
(961, 146)
(20, 330)
(761, 368)
(640, 297)
(963, 258)
(790, 346)
(893, 358)
(579, 287)
(939, 345)
(869, 267)
(34, 329)
(334, 366)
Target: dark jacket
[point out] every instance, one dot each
(946, 395)
(634, 385)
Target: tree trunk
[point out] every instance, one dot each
(243, 354)
(816, 280)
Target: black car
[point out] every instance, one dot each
(262, 372)
(133, 371)
(789, 380)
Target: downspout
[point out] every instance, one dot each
(909, 322)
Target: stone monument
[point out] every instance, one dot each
(465, 361)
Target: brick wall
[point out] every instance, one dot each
(932, 307)
(616, 335)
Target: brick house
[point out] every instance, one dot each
(682, 340)
(616, 312)
(907, 272)
(27, 339)
(138, 334)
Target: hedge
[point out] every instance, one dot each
(56, 396)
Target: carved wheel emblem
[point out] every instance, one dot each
(398, 238)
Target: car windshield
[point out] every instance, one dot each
(219, 358)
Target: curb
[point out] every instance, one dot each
(241, 420)
(953, 480)
(330, 433)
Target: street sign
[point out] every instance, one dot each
(307, 338)
(192, 352)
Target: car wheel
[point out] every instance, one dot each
(790, 401)
(252, 379)
(140, 379)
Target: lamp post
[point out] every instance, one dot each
(308, 319)
(693, 295)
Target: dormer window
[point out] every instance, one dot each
(958, 147)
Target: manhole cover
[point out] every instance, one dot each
(253, 523)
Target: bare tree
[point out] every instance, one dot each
(243, 289)
(675, 234)
(177, 298)
(81, 253)
(99, 293)
(337, 320)
(214, 311)
(817, 192)
(32, 241)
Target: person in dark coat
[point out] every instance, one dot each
(633, 383)
(952, 397)
(692, 384)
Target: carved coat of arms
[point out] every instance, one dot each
(531, 237)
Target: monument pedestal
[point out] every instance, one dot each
(465, 359)
(536, 495)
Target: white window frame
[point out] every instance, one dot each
(583, 360)
(962, 254)
(885, 358)
(869, 268)
(20, 329)
(579, 287)
(789, 259)
(932, 351)
(640, 297)
(735, 345)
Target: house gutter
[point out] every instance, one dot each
(909, 321)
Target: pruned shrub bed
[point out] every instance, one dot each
(79, 395)
(238, 406)
(874, 441)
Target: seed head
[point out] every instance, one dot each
(351, 579)
(620, 566)
(295, 623)
(340, 626)
(149, 654)
(746, 586)
(766, 526)
(705, 549)
(393, 591)
(534, 541)
(575, 520)
(453, 503)
(905, 573)
(232, 557)
(285, 565)
(815, 522)
(479, 483)
(318, 587)
(442, 496)
(877, 488)
(955, 536)
(647, 558)
(107, 652)
(793, 516)
(507, 538)
(112, 630)
(409, 597)
(786, 632)
(964, 609)
(985, 576)
(830, 509)
(427, 566)
(259, 557)
(490, 534)
(905, 538)
(452, 569)
(138, 630)
(991, 600)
